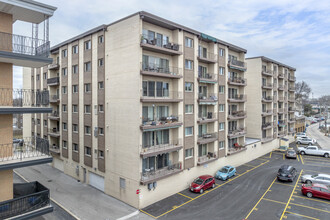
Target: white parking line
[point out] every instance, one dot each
(129, 215)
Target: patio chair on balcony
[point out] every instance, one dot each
(168, 46)
(175, 47)
(209, 115)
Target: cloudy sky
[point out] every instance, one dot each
(296, 33)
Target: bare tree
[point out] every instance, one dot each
(302, 92)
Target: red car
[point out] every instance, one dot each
(202, 183)
(316, 190)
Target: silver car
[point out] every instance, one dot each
(317, 178)
(306, 140)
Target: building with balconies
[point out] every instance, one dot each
(26, 51)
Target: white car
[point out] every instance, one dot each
(313, 150)
(317, 178)
(306, 140)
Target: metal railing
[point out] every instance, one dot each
(207, 115)
(207, 55)
(267, 85)
(208, 157)
(28, 197)
(237, 97)
(267, 72)
(237, 131)
(24, 148)
(280, 75)
(145, 39)
(292, 88)
(163, 120)
(281, 122)
(280, 98)
(208, 135)
(151, 148)
(156, 68)
(23, 97)
(151, 174)
(292, 109)
(280, 87)
(237, 80)
(207, 97)
(267, 112)
(207, 76)
(237, 63)
(292, 78)
(291, 99)
(24, 45)
(54, 98)
(54, 130)
(267, 98)
(267, 124)
(236, 114)
(54, 80)
(161, 94)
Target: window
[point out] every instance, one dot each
(38, 121)
(75, 89)
(202, 150)
(189, 153)
(64, 108)
(221, 145)
(101, 131)
(100, 108)
(87, 130)
(64, 89)
(189, 64)
(87, 87)
(75, 128)
(75, 147)
(45, 123)
(188, 131)
(221, 107)
(87, 66)
(75, 49)
(189, 87)
(221, 126)
(101, 85)
(221, 89)
(122, 182)
(64, 53)
(221, 70)
(189, 109)
(64, 144)
(38, 77)
(88, 45)
(45, 75)
(88, 151)
(101, 154)
(100, 62)
(65, 126)
(189, 42)
(101, 39)
(64, 71)
(87, 109)
(221, 52)
(75, 69)
(74, 108)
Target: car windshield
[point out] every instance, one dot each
(314, 176)
(198, 181)
(283, 147)
(224, 170)
(291, 151)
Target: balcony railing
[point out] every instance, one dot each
(54, 98)
(281, 123)
(159, 70)
(54, 115)
(207, 57)
(292, 88)
(53, 66)
(207, 97)
(232, 115)
(236, 64)
(237, 81)
(267, 125)
(236, 149)
(281, 98)
(171, 145)
(291, 99)
(24, 148)
(267, 112)
(55, 149)
(280, 87)
(292, 120)
(53, 81)
(161, 95)
(27, 197)
(150, 175)
(236, 98)
(267, 98)
(207, 77)
(54, 132)
(207, 138)
(267, 86)
(292, 78)
(281, 75)
(23, 97)
(292, 109)
(232, 133)
(24, 45)
(161, 122)
(160, 46)
(211, 156)
(207, 117)
(267, 72)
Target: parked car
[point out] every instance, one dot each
(225, 172)
(306, 140)
(316, 190)
(300, 134)
(202, 183)
(317, 178)
(287, 173)
(291, 154)
(313, 150)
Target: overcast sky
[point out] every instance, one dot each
(296, 33)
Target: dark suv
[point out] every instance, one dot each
(287, 173)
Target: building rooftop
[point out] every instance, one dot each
(272, 61)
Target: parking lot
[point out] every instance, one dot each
(254, 193)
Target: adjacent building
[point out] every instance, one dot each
(142, 106)
(29, 199)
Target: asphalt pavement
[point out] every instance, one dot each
(314, 132)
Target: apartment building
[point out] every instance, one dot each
(29, 199)
(271, 106)
(142, 106)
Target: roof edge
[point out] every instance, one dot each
(271, 60)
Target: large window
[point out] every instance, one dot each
(75, 69)
(189, 87)
(88, 45)
(87, 66)
(157, 39)
(188, 131)
(189, 153)
(155, 64)
(221, 126)
(202, 150)
(65, 127)
(64, 53)
(87, 130)
(189, 109)
(64, 108)
(87, 87)
(189, 64)
(75, 128)
(65, 144)
(74, 88)
(221, 52)
(189, 42)
(152, 138)
(75, 49)
(74, 108)
(87, 109)
(221, 89)
(64, 71)
(88, 151)
(221, 70)
(221, 145)
(75, 147)
(149, 112)
(158, 89)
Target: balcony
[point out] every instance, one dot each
(152, 175)
(266, 125)
(30, 200)
(54, 149)
(281, 75)
(150, 69)
(235, 115)
(267, 86)
(292, 88)
(237, 81)
(236, 98)
(53, 81)
(280, 87)
(207, 78)
(281, 123)
(234, 133)
(156, 45)
(54, 132)
(291, 120)
(292, 109)
(54, 116)
(267, 72)
(236, 149)
(54, 99)
(24, 152)
(207, 138)
(161, 96)
(24, 51)
(280, 110)
(53, 66)
(207, 98)
(149, 150)
(165, 122)
(207, 57)
(236, 64)
(292, 78)
(281, 98)
(267, 112)
(18, 101)
(291, 99)
(206, 117)
(267, 99)
(267, 139)
(211, 156)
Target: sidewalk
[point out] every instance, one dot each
(82, 200)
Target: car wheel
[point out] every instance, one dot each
(298, 142)
(310, 144)
(302, 152)
(201, 191)
(309, 195)
(326, 155)
(309, 182)
(213, 185)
